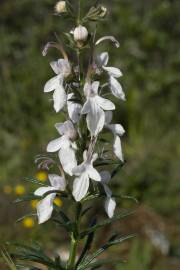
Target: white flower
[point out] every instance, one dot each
(60, 7)
(84, 171)
(94, 107)
(74, 109)
(110, 203)
(116, 88)
(117, 131)
(80, 33)
(45, 206)
(63, 69)
(65, 146)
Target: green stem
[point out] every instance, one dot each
(72, 256)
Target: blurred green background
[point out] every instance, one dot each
(149, 56)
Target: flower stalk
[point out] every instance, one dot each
(76, 89)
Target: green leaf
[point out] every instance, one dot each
(88, 243)
(87, 262)
(35, 254)
(28, 215)
(25, 198)
(106, 222)
(101, 263)
(7, 258)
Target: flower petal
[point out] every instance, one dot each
(93, 174)
(67, 129)
(114, 72)
(116, 129)
(105, 104)
(110, 205)
(117, 148)
(74, 109)
(80, 187)
(59, 97)
(45, 208)
(42, 190)
(95, 86)
(57, 181)
(95, 119)
(116, 88)
(86, 107)
(55, 145)
(52, 84)
(103, 59)
(68, 159)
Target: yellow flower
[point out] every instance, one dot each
(34, 203)
(19, 189)
(42, 176)
(7, 189)
(28, 222)
(58, 202)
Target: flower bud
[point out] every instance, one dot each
(103, 12)
(80, 33)
(61, 7)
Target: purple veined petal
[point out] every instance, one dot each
(105, 177)
(68, 159)
(93, 174)
(80, 169)
(110, 205)
(56, 67)
(52, 84)
(61, 66)
(116, 88)
(117, 148)
(45, 208)
(108, 117)
(55, 145)
(95, 119)
(104, 103)
(117, 129)
(42, 190)
(112, 71)
(80, 187)
(59, 97)
(66, 128)
(86, 107)
(57, 181)
(102, 59)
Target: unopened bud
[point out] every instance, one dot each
(61, 7)
(103, 12)
(80, 33)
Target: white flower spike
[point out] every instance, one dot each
(118, 131)
(94, 108)
(65, 146)
(84, 171)
(45, 206)
(63, 69)
(110, 203)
